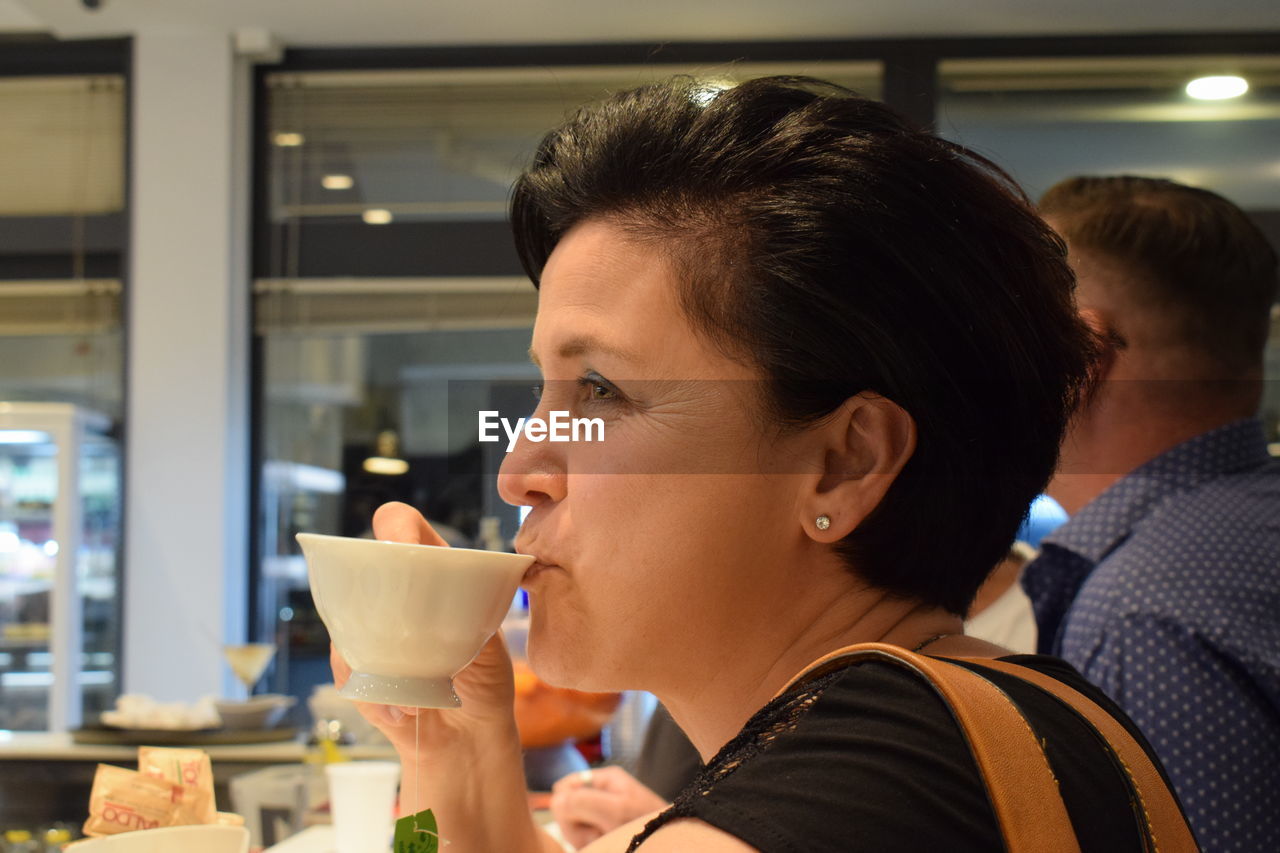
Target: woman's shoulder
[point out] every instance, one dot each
(866, 752)
(1033, 700)
(871, 752)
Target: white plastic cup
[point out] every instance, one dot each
(362, 798)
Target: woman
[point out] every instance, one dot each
(812, 332)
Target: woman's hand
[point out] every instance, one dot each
(485, 686)
(590, 804)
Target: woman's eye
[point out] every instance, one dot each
(597, 390)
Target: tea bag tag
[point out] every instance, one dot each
(417, 833)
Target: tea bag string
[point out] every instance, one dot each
(417, 743)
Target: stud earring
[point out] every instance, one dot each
(823, 522)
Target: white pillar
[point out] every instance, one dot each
(186, 525)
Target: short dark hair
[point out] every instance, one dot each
(822, 237)
(1188, 252)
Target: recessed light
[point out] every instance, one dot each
(23, 436)
(289, 139)
(389, 466)
(1217, 88)
(337, 182)
(376, 216)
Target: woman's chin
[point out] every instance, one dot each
(549, 664)
(564, 665)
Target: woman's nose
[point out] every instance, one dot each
(532, 473)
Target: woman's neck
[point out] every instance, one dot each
(763, 657)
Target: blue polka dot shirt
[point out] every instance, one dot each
(1165, 592)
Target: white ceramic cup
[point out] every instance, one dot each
(362, 797)
(406, 618)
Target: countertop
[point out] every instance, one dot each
(44, 746)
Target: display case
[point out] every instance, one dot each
(59, 565)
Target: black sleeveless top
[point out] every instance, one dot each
(868, 758)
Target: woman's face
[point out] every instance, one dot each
(674, 533)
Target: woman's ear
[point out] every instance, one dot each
(868, 441)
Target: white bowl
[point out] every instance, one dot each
(263, 711)
(188, 839)
(407, 618)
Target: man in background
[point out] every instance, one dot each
(1164, 586)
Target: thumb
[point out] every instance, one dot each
(399, 522)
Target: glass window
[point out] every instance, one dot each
(62, 211)
(62, 233)
(390, 304)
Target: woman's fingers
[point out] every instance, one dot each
(399, 522)
(579, 834)
(571, 781)
(591, 803)
(589, 807)
(341, 671)
(616, 780)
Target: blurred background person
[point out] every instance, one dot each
(1001, 613)
(1163, 588)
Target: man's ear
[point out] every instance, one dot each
(867, 442)
(1110, 343)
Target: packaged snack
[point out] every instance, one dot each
(189, 768)
(126, 800)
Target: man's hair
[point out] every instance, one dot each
(1192, 261)
(824, 239)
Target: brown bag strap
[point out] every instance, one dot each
(1165, 823)
(1018, 779)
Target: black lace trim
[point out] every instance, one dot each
(775, 719)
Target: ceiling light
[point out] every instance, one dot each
(337, 182)
(23, 436)
(1217, 88)
(386, 455)
(288, 139)
(385, 465)
(376, 216)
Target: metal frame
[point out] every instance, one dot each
(44, 57)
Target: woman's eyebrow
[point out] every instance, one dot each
(583, 345)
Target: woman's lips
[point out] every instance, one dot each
(537, 568)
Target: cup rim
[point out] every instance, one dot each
(495, 556)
